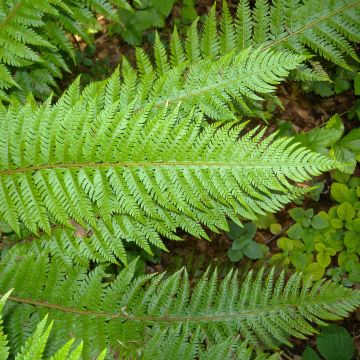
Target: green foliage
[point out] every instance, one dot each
(322, 27)
(155, 149)
(133, 21)
(243, 242)
(331, 140)
(314, 240)
(35, 344)
(97, 165)
(123, 313)
(35, 42)
(333, 343)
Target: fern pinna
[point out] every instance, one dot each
(122, 314)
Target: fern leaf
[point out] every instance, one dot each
(131, 313)
(31, 35)
(135, 175)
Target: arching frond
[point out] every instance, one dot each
(123, 314)
(132, 175)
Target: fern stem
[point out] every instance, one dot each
(152, 164)
(256, 312)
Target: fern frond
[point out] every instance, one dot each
(34, 347)
(213, 86)
(289, 28)
(32, 33)
(124, 314)
(128, 175)
(325, 28)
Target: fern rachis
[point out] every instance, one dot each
(259, 309)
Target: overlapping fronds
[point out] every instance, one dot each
(124, 313)
(326, 28)
(34, 39)
(125, 174)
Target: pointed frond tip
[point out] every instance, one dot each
(127, 175)
(263, 310)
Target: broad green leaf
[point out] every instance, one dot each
(342, 193)
(295, 231)
(315, 271)
(298, 214)
(235, 255)
(253, 250)
(310, 354)
(335, 343)
(320, 221)
(163, 6)
(345, 211)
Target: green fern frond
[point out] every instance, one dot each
(325, 28)
(32, 34)
(125, 313)
(132, 175)
(34, 347)
(289, 28)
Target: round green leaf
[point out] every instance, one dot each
(345, 211)
(235, 255)
(335, 343)
(275, 229)
(315, 270)
(320, 221)
(297, 214)
(295, 231)
(310, 354)
(253, 250)
(336, 223)
(323, 259)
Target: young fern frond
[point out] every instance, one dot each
(133, 175)
(123, 314)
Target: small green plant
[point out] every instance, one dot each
(144, 15)
(244, 243)
(332, 140)
(317, 241)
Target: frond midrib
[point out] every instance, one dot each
(153, 164)
(200, 91)
(255, 311)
